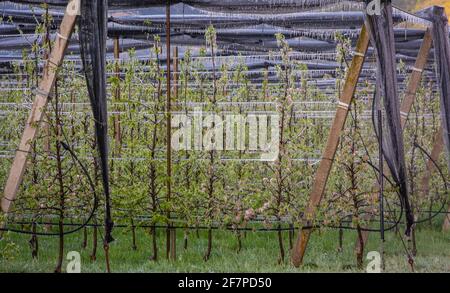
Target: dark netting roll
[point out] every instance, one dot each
(28, 16)
(386, 96)
(442, 58)
(253, 6)
(93, 34)
(39, 2)
(112, 3)
(260, 6)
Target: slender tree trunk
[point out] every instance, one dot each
(209, 247)
(291, 236)
(360, 251)
(185, 242)
(281, 245)
(85, 236)
(34, 242)
(60, 183)
(210, 189)
(154, 257)
(61, 248)
(94, 241)
(133, 234)
(341, 239)
(154, 206)
(239, 241)
(413, 240)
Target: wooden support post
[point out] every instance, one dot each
(405, 108)
(37, 111)
(321, 178)
(416, 77)
(169, 232)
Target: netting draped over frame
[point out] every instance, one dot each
(201, 19)
(442, 58)
(386, 96)
(93, 33)
(254, 6)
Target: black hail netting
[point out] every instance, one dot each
(386, 95)
(93, 33)
(253, 6)
(248, 33)
(442, 58)
(201, 19)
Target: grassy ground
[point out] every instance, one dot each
(259, 253)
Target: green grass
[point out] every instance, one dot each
(259, 253)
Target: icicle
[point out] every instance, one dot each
(409, 18)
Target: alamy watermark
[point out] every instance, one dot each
(374, 7)
(253, 132)
(374, 265)
(74, 264)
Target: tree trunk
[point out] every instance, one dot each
(61, 248)
(280, 243)
(360, 251)
(34, 242)
(239, 241)
(133, 235)
(60, 183)
(154, 244)
(291, 236)
(94, 242)
(208, 249)
(185, 244)
(341, 239)
(414, 243)
(85, 236)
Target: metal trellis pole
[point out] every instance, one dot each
(381, 174)
(170, 234)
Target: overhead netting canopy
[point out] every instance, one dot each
(252, 6)
(310, 34)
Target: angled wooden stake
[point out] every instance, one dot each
(116, 117)
(42, 94)
(320, 181)
(405, 109)
(435, 153)
(416, 77)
